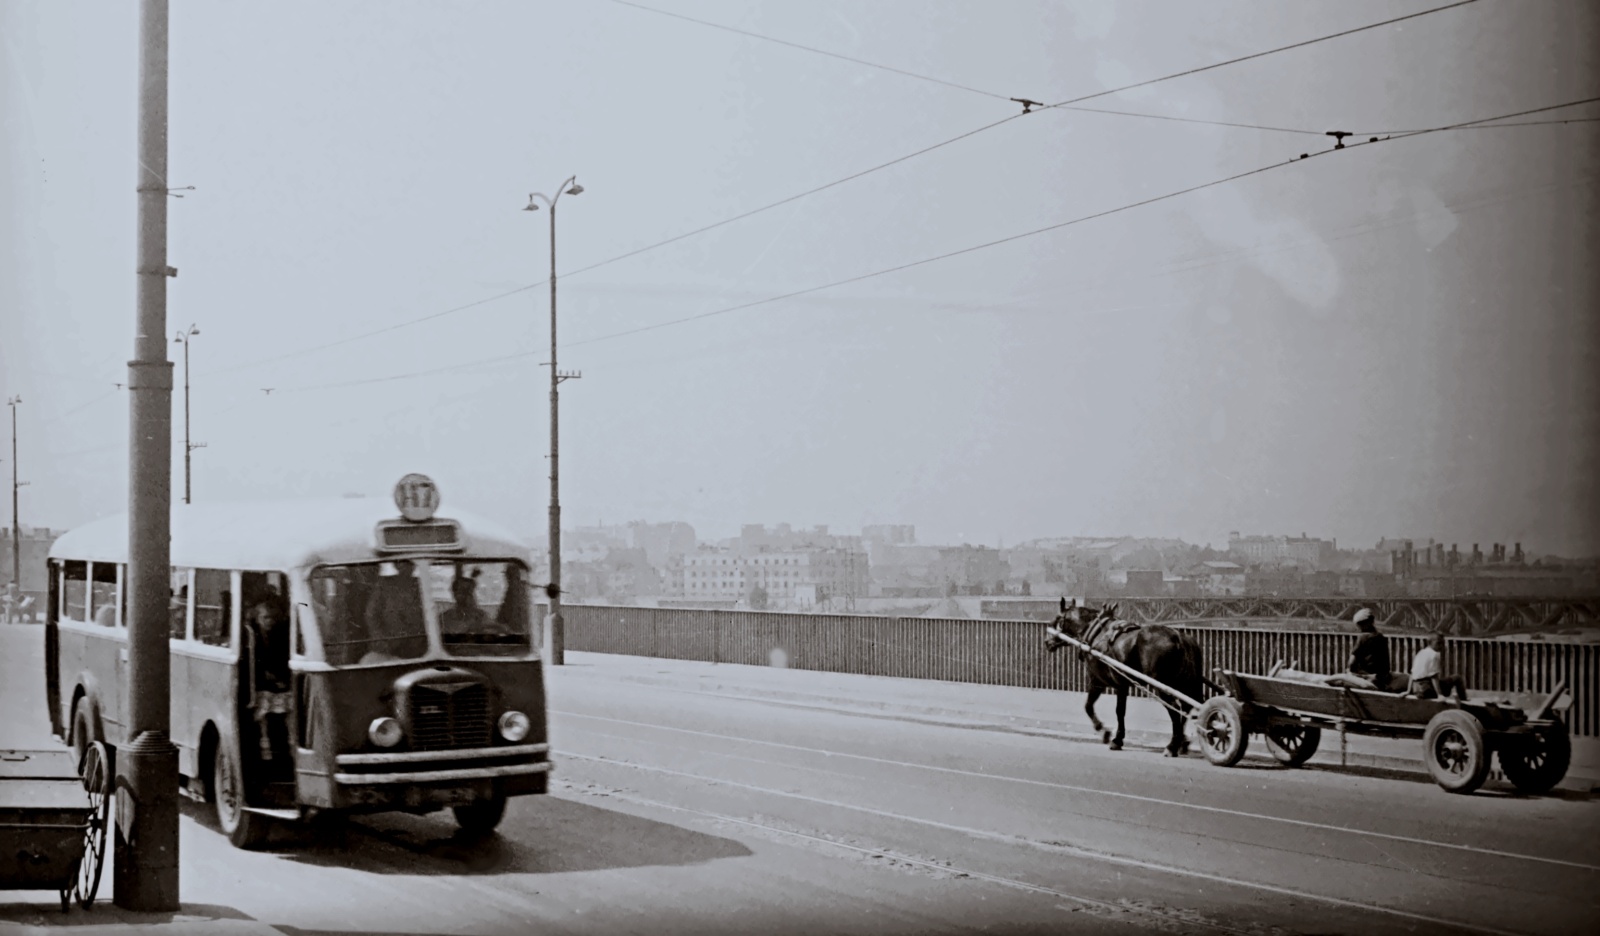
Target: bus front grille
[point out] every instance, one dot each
(450, 716)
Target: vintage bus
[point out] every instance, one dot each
(328, 658)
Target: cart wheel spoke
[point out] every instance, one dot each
(97, 782)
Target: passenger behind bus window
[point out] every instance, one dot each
(465, 616)
(394, 623)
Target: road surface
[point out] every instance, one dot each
(692, 798)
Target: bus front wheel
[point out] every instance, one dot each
(243, 828)
(481, 817)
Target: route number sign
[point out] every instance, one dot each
(417, 497)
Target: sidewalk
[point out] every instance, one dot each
(999, 708)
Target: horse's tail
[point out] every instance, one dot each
(1194, 668)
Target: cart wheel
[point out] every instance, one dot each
(1293, 745)
(1222, 735)
(97, 780)
(1536, 762)
(1455, 751)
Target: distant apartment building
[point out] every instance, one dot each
(1306, 551)
(661, 541)
(794, 578)
(36, 543)
(969, 570)
(1219, 577)
(890, 534)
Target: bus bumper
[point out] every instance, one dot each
(423, 780)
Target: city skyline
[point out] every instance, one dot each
(1391, 339)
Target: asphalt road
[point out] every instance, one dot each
(689, 803)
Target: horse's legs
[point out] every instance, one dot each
(1088, 706)
(1179, 744)
(1122, 709)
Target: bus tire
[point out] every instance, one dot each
(243, 828)
(481, 817)
(83, 733)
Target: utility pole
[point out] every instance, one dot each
(188, 447)
(16, 526)
(557, 625)
(146, 848)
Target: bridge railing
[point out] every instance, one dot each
(1011, 653)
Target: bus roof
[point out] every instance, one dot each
(277, 535)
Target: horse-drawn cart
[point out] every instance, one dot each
(53, 819)
(1526, 730)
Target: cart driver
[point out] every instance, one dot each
(1370, 658)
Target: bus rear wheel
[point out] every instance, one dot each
(481, 817)
(242, 827)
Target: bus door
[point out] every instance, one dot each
(266, 698)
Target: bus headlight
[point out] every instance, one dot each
(384, 732)
(514, 726)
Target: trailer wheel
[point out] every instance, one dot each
(1221, 731)
(1293, 745)
(1454, 749)
(1535, 762)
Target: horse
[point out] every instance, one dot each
(1155, 650)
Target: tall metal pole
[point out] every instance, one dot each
(188, 449)
(16, 526)
(557, 625)
(146, 849)
(558, 640)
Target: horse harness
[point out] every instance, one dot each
(1112, 630)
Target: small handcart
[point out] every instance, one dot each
(54, 813)
(1525, 730)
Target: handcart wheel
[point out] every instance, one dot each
(97, 780)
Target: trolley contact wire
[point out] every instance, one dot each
(1057, 848)
(1073, 788)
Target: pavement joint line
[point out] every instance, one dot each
(1085, 815)
(1305, 823)
(886, 853)
(1069, 849)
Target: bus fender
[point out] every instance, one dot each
(87, 698)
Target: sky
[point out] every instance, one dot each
(1393, 339)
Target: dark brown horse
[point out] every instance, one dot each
(1155, 650)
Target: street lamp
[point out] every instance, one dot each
(183, 338)
(557, 629)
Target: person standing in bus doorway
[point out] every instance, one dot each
(270, 673)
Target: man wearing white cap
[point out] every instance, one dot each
(1370, 658)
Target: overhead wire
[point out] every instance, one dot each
(976, 247)
(1058, 226)
(814, 49)
(1066, 104)
(1255, 55)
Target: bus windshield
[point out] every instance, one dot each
(483, 607)
(374, 612)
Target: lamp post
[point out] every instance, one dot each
(183, 338)
(557, 627)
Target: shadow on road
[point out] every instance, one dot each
(104, 914)
(540, 835)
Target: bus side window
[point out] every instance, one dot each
(213, 612)
(75, 589)
(178, 604)
(103, 593)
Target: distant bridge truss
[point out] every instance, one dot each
(1458, 617)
